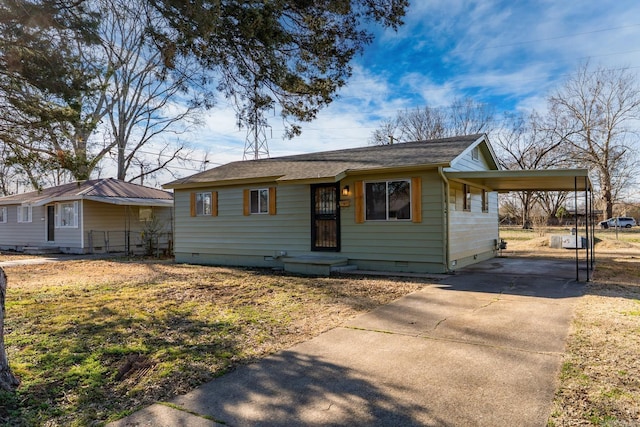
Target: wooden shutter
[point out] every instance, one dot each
(272, 200)
(416, 199)
(246, 205)
(192, 204)
(358, 200)
(214, 203)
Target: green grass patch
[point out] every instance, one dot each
(93, 341)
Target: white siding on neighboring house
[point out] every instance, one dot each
(15, 235)
(68, 237)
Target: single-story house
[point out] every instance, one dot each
(387, 208)
(100, 215)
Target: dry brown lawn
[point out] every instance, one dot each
(600, 380)
(95, 340)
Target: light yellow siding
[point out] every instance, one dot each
(106, 224)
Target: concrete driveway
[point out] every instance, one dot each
(479, 348)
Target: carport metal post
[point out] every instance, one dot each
(575, 197)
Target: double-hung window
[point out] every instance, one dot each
(466, 201)
(24, 213)
(485, 201)
(259, 200)
(388, 200)
(3, 214)
(204, 203)
(67, 215)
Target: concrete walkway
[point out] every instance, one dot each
(479, 348)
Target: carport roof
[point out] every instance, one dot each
(526, 180)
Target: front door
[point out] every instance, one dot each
(325, 218)
(51, 223)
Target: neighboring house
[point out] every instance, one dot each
(385, 208)
(102, 215)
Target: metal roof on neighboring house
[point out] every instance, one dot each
(106, 190)
(334, 165)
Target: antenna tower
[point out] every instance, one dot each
(255, 144)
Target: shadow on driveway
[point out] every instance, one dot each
(482, 347)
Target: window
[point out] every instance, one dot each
(203, 203)
(388, 200)
(145, 213)
(67, 215)
(24, 213)
(466, 201)
(475, 153)
(485, 201)
(3, 214)
(259, 201)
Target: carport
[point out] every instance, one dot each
(572, 180)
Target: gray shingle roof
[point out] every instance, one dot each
(95, 189)
(331, 164)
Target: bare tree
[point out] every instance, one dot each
(462, 117)
(131, 92)
(525, 143)
(595, 112)
(148, 99)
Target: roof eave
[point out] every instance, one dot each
(220, 183)
(396, 169)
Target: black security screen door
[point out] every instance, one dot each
(325, 218)
(51, 220)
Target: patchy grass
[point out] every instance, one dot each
(92, 341)
(599, 384)
(14, 256)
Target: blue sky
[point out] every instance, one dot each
(509, 54)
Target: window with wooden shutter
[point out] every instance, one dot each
(260, 201)
(204, 204)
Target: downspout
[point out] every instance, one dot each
(445, 219)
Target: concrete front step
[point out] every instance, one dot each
(344, 268)
(315, 265)
(40, 250)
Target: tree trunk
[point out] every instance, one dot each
(8, 381)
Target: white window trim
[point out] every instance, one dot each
(259, 207)
(58, 215)
(485, 201)
(475, 153)
(4, 212)
(387, 219)
(200, 203)
(20, 212)
(467, 195)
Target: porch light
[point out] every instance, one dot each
(345, 190)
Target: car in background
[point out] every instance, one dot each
(621, 221)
